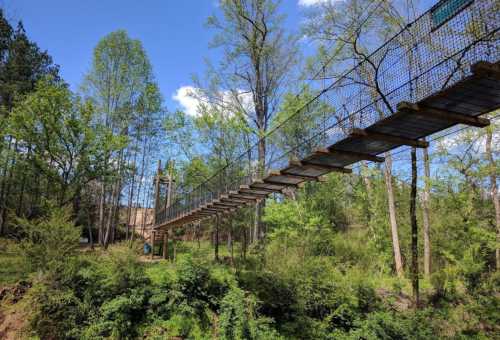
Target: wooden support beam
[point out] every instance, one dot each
(319, 166)
(354, 155)
(444, 115)
(383, 137)
(486, 69)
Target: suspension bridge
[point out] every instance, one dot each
(441, 70)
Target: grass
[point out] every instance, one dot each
(12, 265)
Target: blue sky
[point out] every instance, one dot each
(172, 33)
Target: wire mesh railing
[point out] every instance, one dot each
(428, 55)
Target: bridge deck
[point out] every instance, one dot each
(461, 103)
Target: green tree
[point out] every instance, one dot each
(258, 59)
(22, 64)
(122, 86)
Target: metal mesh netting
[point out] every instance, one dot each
(427, 56)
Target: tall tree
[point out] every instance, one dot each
(426, 213)
(122, 85)
(22, 64)
(352, 30)
(258, 58)
(414, 228)
(492, 172)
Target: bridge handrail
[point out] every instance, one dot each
(425, 57)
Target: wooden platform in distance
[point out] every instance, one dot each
(461, 103)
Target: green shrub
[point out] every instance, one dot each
(386, 325)
(239, 320)
(56, 313)
(49, 242)
(119, 317)
(276, 295)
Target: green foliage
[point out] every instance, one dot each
(49, 242)
(56, 312)
(238, 319)
(12, 265)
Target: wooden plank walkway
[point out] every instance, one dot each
(462, 103)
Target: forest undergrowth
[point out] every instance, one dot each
(328, 286)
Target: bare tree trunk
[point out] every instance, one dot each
(3, 196)
(152, 238)
(102, 202)
(216, 238)
(6, 193)
(165, 245)
(174, 245)
(198, 231)
(146, 212)
(230, 242)
(245, 242)
(91, 238)
(414, 228)
(107, 234)
(426, 214)
(369, 193)
(141, 178)
(392, 215)
(255, 231)
(258, 225)
(494, 191)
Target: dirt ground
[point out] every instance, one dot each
(12, 323)
(12, 317)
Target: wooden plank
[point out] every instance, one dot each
(260, 190)
(293, 185)
(325, 166)
(237, 195)
(443, 115)
(383, 137)
(302, 177)
(212, 208)
(243, 197)
(218, 207)
(227, 204)
(234, 200)
(259, 185)
(254, 192)
(354, 155)
(203, 215)
(287, 172)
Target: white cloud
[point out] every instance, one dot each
(189, 99)
(309, 3)
(184, 96)
(455, 141)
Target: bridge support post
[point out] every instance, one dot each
(152, 236)
(165, 245)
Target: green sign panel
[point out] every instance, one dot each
(446, 10)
